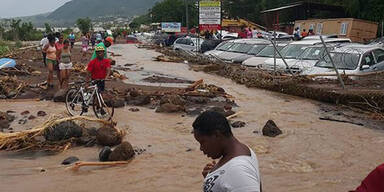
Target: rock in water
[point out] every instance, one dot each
(139, 100)
(116, 103)
(60, 96)
(62, 131)
(123, 152)
(238, 124)
(173, 99)
(108, 136)
(70, 160)
(41, 113)
(169, 108)
(271, 130)
(104, 153)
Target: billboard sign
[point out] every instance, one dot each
(171, 27)
(209, 15)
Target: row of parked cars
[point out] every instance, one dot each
(306, 57)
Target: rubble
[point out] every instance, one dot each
(56, 134)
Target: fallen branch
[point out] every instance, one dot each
(195, 84)
(234, 115)
(77, 165)
(341, 121)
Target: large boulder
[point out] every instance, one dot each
(104, 153)
(108, 136)
(123, 152)
(173, 99)
(60, 96)
(139, 100)
(62, 131)
(270, 129)
(116, 103)
(5, 120)
(169, 108)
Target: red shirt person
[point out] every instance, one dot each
(99, 68)
(374, 182)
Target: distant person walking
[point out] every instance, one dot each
(93, 40)
(84, 45)
(43, 43)
(310, 32)
(304, 34)
(51, 61)
(59, 45)
(65, 64)
(72, 39)
(296, 34)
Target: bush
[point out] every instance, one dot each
(4, 49)
(18, 44)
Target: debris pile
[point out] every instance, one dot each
(10, 87)
(58, 134)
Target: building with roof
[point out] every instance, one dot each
(283, 18)
(357, 30)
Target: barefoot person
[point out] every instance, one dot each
(65, 65)
(50, 50)
(237, 168)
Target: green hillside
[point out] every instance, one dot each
(75, 9)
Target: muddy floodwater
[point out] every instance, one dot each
(311, 155)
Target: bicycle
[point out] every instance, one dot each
(78, 100)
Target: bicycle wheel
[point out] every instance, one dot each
(74, 102)
(102, 111)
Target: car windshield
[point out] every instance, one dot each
(224, 47)
(312, 53)
(293, 51)
(256, 49)
(269, 51)
(240, 48)
(346, 61)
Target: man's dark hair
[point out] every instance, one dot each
(66, 41)
(209, 122)
(51, 37)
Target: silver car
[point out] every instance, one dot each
(351, 59)
(241, 47)
(188, 44)
(263, 55)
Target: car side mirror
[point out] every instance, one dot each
(364, 67)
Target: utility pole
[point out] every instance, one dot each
(187, 16)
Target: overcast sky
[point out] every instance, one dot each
(17, 8)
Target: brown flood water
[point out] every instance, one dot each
(311, 155)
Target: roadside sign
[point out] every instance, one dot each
(209, 15)
(171, 27)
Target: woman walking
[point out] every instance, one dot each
(50, 49)
(65, 64)
(84, 45)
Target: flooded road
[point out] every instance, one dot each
(311, 155)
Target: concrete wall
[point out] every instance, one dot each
(355, 29)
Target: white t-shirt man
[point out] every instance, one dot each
(44, 42)
(240, 174)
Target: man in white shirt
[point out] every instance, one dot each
(44, 42)
(237, 169)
